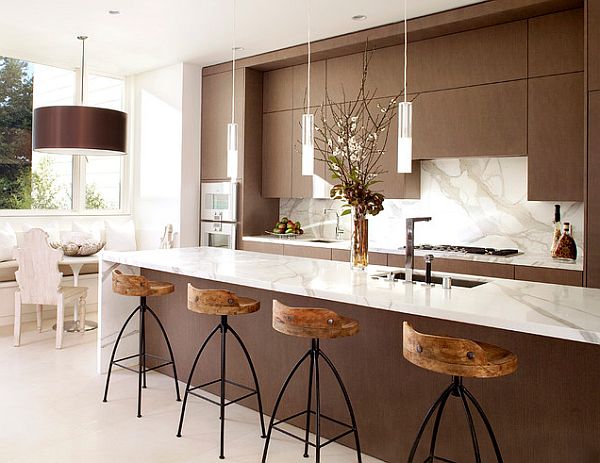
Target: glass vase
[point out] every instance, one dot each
(359, 246)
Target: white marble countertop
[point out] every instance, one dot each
(524, 259)
(563, 312)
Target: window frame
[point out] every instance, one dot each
(78, 173)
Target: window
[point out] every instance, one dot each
(30, 180)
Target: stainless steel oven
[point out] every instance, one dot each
(218, 214)
(219, 202)
(218, 234)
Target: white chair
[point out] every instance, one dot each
(39, 283)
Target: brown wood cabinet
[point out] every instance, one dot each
(317, 84)
(592, 238)
(343, 255)
(276, 156)
(486, 120)
(555, 140)
(268, 248)
(313, 252)
(481, 56)
(556, 43)
(549, 275)
(277, 90)
(216, 114)
(593, 43)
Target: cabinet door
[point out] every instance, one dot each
(486, 120)
(549, 275)
(593, 31)
(277, 155)
(317, 85)
(216, 114)
(277, 90)
(394, 185)
(304, 186)
(555, 139)
(312, 252)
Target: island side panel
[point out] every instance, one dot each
(113, 310)
(548, 411)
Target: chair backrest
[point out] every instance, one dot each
(38, 275)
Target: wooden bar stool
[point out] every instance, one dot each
(223, 303)
(458, 358)
(140, 286)
(315, 324)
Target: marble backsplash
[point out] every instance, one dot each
(476, 201)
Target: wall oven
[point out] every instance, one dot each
(218, 214)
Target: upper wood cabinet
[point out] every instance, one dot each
(556, 43)
(216, 114)
(593, 31)
(555, 147)
(276, 155)
(277, 90)
(486, 120)
(481, 56)
(317, 85)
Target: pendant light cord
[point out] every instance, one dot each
(405, 50)
(233, 68)
(83, 39)
(308, 65)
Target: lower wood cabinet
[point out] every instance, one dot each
(307, 251)
(268, 248)
(549, 275)
(343, 255)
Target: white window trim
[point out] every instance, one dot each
(78, 174)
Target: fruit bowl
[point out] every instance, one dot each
(286, 228)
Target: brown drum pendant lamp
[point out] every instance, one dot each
(80, 130)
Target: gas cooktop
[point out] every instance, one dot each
(466, 249)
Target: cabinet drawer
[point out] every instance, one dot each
(343, 255)
(307, 251)
(549, 275)
(269, 248)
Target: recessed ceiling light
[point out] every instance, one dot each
(114, 12)
(359, 17)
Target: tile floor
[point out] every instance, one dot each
(51, 410)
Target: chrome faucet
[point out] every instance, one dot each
(339, 231)
(409, 266)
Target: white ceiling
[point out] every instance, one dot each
(149, 34)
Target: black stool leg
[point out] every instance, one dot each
(309, 403)
(162, 329)
(222, 401)
(260, 407)
(348, 403)
(114, 352)
(487, 424)
(278, 402)
(471, 424)
(430, 413)
(143, 340)
(436, 426)
(315, 354)
(142, 358)
(189, 383)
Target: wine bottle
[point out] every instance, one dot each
(556, 234)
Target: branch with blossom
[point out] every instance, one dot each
(351, 139)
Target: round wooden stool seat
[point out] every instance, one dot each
(219, 302)
(455, 356)
(312, 323)
(139, 285)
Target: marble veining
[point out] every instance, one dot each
(563, 312)
(473, 201)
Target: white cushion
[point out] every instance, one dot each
(8, 242)
(93, 231)
(51, 228)
(120, 236)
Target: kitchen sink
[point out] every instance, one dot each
(458, 282)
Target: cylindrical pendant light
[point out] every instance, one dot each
(232, 127)
(308, 119)
(405, 118)
(79, 130)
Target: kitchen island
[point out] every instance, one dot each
(548, 411)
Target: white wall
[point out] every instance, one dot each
(166, 154)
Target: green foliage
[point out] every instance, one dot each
(16, 106)
(44, 187)
(93, 198)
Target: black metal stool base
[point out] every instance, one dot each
(223, 328)
(315, 353)
(141, 355)
(456, 389)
